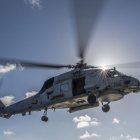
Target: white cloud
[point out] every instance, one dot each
(122, 137)
(134, 138)
(116, 121)
(34, 3)
(114, 138)
(85, 118)
(85, 121)
(87, 135)
(95, 123)
(30, 94)
(8, 133)
(82, 124)
(128, 137)
(7, 100)
(7, 68)
(94, 135)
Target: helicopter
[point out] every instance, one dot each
(84, 86)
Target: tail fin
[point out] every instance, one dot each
(2, 106)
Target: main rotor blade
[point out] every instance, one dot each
(86, 13)
(32, 64)
(126, 65)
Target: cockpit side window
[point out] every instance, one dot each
(48, 84)
(112, 73)
(116, 75)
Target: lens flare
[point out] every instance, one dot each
(104, 68)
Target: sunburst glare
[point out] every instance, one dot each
(104, 68)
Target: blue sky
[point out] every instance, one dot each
(42, 31)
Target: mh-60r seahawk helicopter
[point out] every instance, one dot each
(84, 86)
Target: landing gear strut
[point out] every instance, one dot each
(44, 118)
(91, 99)
(106, 107)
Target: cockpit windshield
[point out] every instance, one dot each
(112, 73)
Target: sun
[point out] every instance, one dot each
(104, 68)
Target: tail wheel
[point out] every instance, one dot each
(91, 99)
(105, 108)
(44, 118)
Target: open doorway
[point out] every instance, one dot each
(78, 86)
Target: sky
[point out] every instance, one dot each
(42, 31)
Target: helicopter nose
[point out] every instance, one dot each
(139, 83)
(133, 84)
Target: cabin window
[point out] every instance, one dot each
(64, 87)
(35, 101)
(49, 93)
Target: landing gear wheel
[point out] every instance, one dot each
(44, 118)
(105, 108)
(91, 99)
